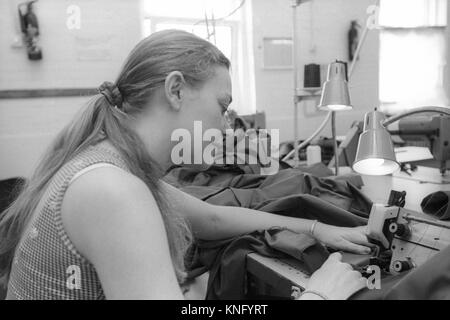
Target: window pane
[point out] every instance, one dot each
(413, 13)
(194, 9)
(230, 35)
(220, 35)
(411, 68)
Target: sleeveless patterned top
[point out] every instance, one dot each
(46, 264)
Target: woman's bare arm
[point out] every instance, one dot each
(212, 222)
(114, 221)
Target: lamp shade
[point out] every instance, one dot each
(335, 95)
(375, 154)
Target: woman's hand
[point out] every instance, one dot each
(335, 280)
(346, 239)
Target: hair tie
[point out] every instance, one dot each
(111, 93)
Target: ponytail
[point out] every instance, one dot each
(107, 116)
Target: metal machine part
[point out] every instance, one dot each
(433, 129)
(409, 238)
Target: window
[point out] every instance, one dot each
(412, 54)
(221, 35)
(220, 22)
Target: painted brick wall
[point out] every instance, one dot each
(109, 30)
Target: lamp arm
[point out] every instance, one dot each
(293, 152)
(399, 116)
(307, 141)
(295, 4)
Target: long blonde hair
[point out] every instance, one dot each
(145, 70)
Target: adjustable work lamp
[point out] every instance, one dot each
(335, 95)
(375, 154)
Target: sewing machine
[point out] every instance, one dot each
(434, 130)
(404, 239)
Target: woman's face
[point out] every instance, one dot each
(186, 108)
(209, 102)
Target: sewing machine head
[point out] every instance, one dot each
(404, 239)
(433, 130)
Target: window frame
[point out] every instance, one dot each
(387, 105)
(234, 26)
(235, 58)
(433, 24)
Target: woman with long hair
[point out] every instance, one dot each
(95, 221)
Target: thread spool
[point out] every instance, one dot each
(400, 229)
(400, 266)
(313, 155)
(311, 77)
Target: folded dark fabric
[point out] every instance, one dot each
(215, 175)
(243, 176)
(284, 189)
(290, 192)
(436, 204)
(226, 259)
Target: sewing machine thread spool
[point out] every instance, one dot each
(400, 266)
(313, 155)
(400, 229)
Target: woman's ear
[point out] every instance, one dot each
(174, 89)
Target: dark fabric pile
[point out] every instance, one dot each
(310, 193)
(290, 192)
(225, 260)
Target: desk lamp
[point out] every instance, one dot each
(335, 97)
(375, 154)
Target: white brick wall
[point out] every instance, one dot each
(28, 125)
(26, 128)
(109, 26)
